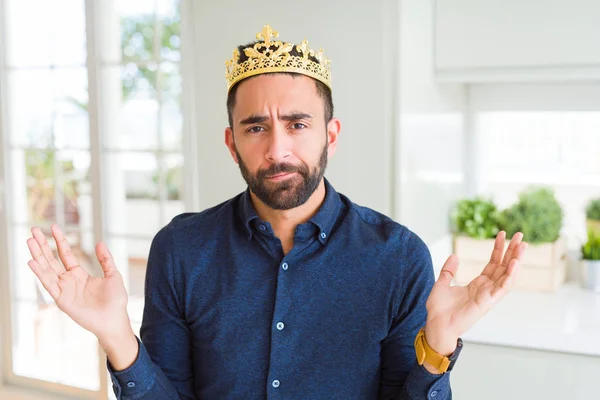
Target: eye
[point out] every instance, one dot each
(255, 129)
(298, 125)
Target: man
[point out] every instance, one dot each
(289, 290)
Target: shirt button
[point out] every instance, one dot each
(262, 227)
(130, 384)
(434, 393)
(275, 383)
(284, 266)
(280, 325)
(323, 235)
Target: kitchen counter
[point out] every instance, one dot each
(567, 321)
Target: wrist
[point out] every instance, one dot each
(121, 349)
(442, 342)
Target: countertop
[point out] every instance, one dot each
(567, 321)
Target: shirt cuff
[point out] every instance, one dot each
(422, 384)
(135, 380)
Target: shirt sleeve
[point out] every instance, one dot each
(401, 376)
(163, 368)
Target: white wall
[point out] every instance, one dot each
(430, 149)
(358, 38)
(504, 40)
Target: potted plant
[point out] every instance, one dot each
(478, 218)
(476, 222)
(592, 213)
(539, 215)
(590, 254)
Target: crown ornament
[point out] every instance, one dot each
(270, 55)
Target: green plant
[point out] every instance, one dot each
(591, 249)
(537, 214)
(477, 218)
(592, 211)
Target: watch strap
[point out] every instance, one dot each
(426, 354)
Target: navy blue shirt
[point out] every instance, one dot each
(228, 316)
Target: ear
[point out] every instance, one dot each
(229, 142)
(333, 130)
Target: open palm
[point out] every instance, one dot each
(98, 304)
(454, 309)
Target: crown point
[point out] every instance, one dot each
(267, 34)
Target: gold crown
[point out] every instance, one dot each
(268, 55)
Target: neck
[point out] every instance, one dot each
(284, 222)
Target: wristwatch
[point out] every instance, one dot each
(425, 353)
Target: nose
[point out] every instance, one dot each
(279, 145)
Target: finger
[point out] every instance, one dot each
(448, 271)
(64, 250)
(508, 256)
(106, 260)
(40, 238)
(496, 257)
(47, 277)
(37, 254)
(510, 252)
(506, 281)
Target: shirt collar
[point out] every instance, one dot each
(324, 219)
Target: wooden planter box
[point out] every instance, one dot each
(543, 268)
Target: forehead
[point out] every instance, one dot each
(286, 92)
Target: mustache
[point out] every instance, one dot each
(281, 169)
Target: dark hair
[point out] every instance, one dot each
(322, 89)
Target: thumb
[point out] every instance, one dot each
(106, 260)
(448, 270)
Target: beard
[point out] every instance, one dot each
(288, 193)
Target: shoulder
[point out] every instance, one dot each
(200, 225)
(384, 227)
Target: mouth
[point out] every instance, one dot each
(281, 176)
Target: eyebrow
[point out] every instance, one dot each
(257, 119)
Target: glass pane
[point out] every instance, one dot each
(48, 345)
(76, 189)
(43, 33)
(171, 120)
(173, 181)
(33, 187)
(71, 124)
(18, 187)
(25, 285)
(135, 108)
(131, 195)
(168, 15)
(46, 104)
(40, 171)
(137, 36)
(31, 95)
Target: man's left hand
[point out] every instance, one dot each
(452, 310)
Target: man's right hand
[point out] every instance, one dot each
(99, 305)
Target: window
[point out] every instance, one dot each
(94, 143)
(545, 135)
